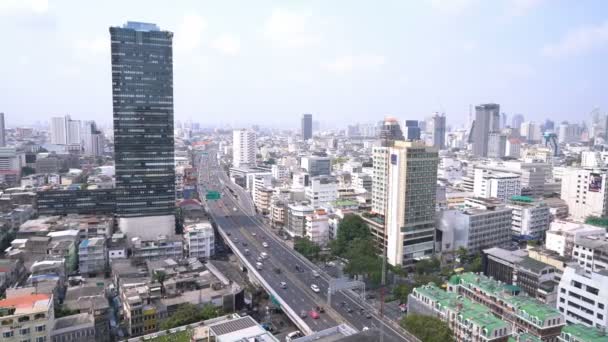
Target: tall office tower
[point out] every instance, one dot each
(503, 120)
(59, 130)
(487, 120)
(92, 139)
(142, 96)
(412, 130)
(316, 165)
(530, 131)
(517, 120)
(390, 131)
(306, 126)
(2, 131)
(549, 126)
(410, 220)
(74, 134)
(243, 148)
(438, 126)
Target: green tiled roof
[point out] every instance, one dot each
(527, 307)
(469, 310)
(581, 333)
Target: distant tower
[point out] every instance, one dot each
(412, 130)
(390, 132)
(2, 131)
(438, 123)
(487, 120)
(306, 126)
(243, 148)
(517, 120)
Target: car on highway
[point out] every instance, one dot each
(283, 285)
(253, 234)
(293, 335)
(365, 329)
(259, 265)
(315, 274)
(264, 255)
(235, 239)
(368, 315)
(247, 252)
(313, 314)
(314, 288)
(303, 314)
(265, 244)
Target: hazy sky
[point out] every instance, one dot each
(266, 62)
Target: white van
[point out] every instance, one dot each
(258, 265)
(293, 335)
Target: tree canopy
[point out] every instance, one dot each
(427, 328)
(363, 260)
(307, 248)
(349, 229)
(190, 313)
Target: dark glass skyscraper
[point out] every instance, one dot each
(142, 96)
(307, 126)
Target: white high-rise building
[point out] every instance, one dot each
(92, 139)
(501, 185)
(74, 132)
(583, 297)
(317, 227)
(59, 130)
(379, 180)
(530, 131)
(321, 191)
(200, 240)
(243, 148)
(531, 218)
(584, 190)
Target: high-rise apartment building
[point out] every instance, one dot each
(92, 139)
(74, 134)
(306, 126)
(438, 125)
(487, 120)
(65, 131)
(243, 148)
(2, 131)
(584, 190)
(412, 182)
(142, 96)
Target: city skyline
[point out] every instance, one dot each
(274, 62)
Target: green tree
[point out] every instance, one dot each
(26, 171)
(474, 265)
(401, 292)
(463, 254)
(160, 277)
(427, 328)
(349, 229)
(188, 313)
(307, 248)
(363, 260)
(427, 266)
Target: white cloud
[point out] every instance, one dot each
(347, 64)
(227, 44)
(521, 7)
(579, 41)
(189, 33)
(36, 6)
(291, 29)
(451, 6)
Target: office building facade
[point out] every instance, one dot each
(412, 182)
(438, 125)
(142, 96)
(306, 126)
(487, 120)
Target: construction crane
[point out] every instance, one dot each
(551, 141)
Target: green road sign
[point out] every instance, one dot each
(212, 196)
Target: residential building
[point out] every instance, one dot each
(280, 172)
(581, 333)
(93, 256)
(10, 166)
(27, 317)
(75, 328)
(501, 185)
(316, 165)
(143, 129)
(469, 321)
(306, 126)
(487, 120)
(296, 218)
(244, 148)
(583, 297)
(163, 247)
(59, 130)
(411, 197)
(591, 253)
(562, 235)
(474, 228)
(200, 240)
(523, 313)
(92, 138)
(263, 200)
(513, 148)
(278, 213)
(321, 191)
(317, 227)
(584, 190)
(380, 179)
(530, 132)
(531, 218)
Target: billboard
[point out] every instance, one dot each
(595, 182)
